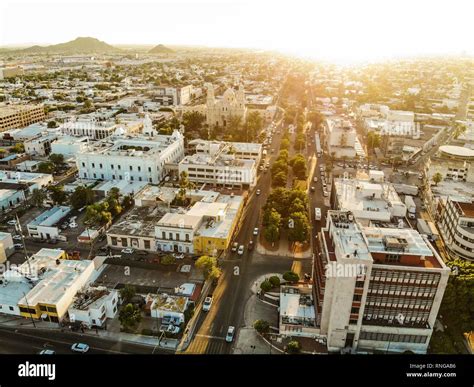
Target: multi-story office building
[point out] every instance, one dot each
(456, 225)
(167, 96)
(19, 116)
(226, 164)
(376, 289)
(131, 158)
(340, 138)
(92, 129)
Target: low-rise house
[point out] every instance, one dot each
(164, 304)
(93, 306)
(45, 226)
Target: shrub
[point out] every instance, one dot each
(291, 276)
(293, 347)
(261, 326)
(275, 281)
(266, 286)
(168, 260)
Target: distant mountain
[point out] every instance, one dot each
(160, 49)
(78, 45)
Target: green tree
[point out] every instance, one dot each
(57, 160)
(130, 317)
(298, 225)
(285, 144)
(253, 125)
(52, 124)
(193, 121)
(82, 196)
(208, 266)
(127, 293)
(57, 194)
(261, 326)
(298, 164)
(38, 197)
(272, 225)
(46, 167)
(19, 147)
(291, 276)
(437, 178)
(279, 180)
(373, 140)
(98, 214)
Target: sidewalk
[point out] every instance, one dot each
(19, 322)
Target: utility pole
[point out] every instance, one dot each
(28, 306)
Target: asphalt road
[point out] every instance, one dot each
(31, 341)
(238, 274)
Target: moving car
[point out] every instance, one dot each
(230, 334)
(250, 246)
(235, 246)
(240, 251)
(80, 347)
(258, 192)
(207, 304)
(128, 250)
(325, 193)
(255, 231)
(46, 352)
(315, 179)
(313, 189)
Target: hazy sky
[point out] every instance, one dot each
(343, 30)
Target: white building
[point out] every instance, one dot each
(92, 306)
(95, 130)
(131, 158)
(340, 138)
(40, 146)
(456, 225)
(367, 200)
(44, 287)
(376, 289)
(167, 305)
(32, 180)
(167, 96)
(6, 246)
(10, 198)
(69, 145)
(220, 168)
(219, 111)
(45, 226)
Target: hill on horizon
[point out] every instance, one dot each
(160, 49)
(78, 45)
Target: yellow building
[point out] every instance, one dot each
(19, 116)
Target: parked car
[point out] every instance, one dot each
(235, 246)
(315, 179)
(12, 222)
(169, 328)
(230, 334)
(80, 347)
(313, 189)
(255, 231)
(17, 237)
(18, 246)
(258, 192)
(178, 256)
(207, 304)
(72, 225)
(167, 320)
(325, 193)
(127, 250)
(240, 251)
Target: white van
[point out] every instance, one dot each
(317, 213)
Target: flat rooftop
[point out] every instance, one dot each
(219, 161)
(125, 187)
(50, 217)
(21, 177)
(296, 304)
(169, 302)
(140, 221)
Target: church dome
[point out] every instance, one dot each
(229, 95)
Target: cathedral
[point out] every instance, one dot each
(220, 111)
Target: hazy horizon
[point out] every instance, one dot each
(340, 31)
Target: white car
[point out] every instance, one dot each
(235, 246)
(12, 222)
(17, 237)
(207, 304)
(315, 179)
(255, 231)
(325, 193)
(240, 251)
(178, 256)
(258, 192)
(72, 225)
(46, 352)
(80, 347)
(128, 250)
(230, 334)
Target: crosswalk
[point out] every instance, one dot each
(208, 345)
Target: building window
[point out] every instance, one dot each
(146, 244)
(124, 242)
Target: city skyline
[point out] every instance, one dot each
(315, 31)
